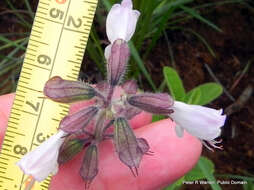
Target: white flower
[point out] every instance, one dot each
(201, 122)
(42, 161)
(121, 23)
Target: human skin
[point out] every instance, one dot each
(172, 157)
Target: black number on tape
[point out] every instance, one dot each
(56, 13)
(40, 138)
(44, 59)
(76, 23)
(35, 107)
(18, 149)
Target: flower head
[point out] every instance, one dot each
(201, 122)
(42, 161)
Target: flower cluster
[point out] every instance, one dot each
(75, 131)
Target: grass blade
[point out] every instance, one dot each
(8, 45)
(199, 17)
(23, 21)
(159, 31)
(29, 9)
(12, 53)
(140, 64)
(12, 43)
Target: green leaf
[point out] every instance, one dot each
(209, 92)
(176, 185)
(193, 97)
(174, 83)
(205, 166)
(248, 186)
(196, 173)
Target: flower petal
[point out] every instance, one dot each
(127, 3)
(200, 121)
(42, 161)
(179, 131)
(107, 51)
(121, 21)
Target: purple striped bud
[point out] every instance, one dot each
(126, 144)
(130, 87)
(160, 103)
(66, 91)
(69, 149)
(75, 122)
(89, 168)
(117, 61)
(144, 146)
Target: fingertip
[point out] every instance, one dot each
(80, 105)
(173, 156)
(6, 102)
(141, 120)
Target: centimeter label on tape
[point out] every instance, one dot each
(56, 47)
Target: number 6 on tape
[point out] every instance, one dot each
(56, 47)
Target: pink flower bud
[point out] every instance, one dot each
(160, 103)
(117, 61)
(77, 121)
(66, 91)
(126, 144)
(89, 168)
(130, 87)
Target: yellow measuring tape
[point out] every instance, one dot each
(56, 47)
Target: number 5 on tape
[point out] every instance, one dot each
(56, 47)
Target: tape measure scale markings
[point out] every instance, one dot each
(56, 47)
